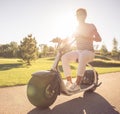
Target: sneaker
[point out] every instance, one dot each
(74, 87)
(68, 85)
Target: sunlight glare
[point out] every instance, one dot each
(65, 26)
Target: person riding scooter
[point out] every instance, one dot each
(85, 34)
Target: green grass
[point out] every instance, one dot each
(15, 72)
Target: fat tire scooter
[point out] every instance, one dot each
(44, 86)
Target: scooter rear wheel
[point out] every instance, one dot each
(90, 78)
(95, 86)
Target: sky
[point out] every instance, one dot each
(47, 19)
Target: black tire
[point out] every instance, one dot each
(89, 79)
(94, 87)
(42, 94)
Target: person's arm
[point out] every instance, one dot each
(96, 36)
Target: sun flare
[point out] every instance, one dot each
(65, 26)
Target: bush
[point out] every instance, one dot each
(102, 57)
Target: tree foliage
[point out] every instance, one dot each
(103, 50)
(56, 40)
(9, 50)
(115, 48)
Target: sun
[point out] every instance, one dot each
(65, 26)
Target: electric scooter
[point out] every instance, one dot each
(44, 86)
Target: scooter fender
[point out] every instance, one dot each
(45, 76)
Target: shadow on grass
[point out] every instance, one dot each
(7, 86)
(51, 58)
(97, 63)
(104, 64)
(90, 103)
(10, 66)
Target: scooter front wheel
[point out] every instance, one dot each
(41, 92)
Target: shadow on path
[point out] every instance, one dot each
(90, 103)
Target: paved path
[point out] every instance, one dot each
(105, 100)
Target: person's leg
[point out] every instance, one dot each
(84, 58)
(66, 59)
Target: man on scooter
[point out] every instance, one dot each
(84, 36)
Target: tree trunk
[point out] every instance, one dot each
(28, 62)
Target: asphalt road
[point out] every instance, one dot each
(105, 100)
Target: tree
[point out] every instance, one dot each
(28, 49)
(14, 49)
(57, 41)
(115, 48)
(51, 49)
(9, 50)
(5, 50)
(43, 49)
(119, 53)
(103, 50)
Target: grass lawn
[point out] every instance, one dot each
(14, 72)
